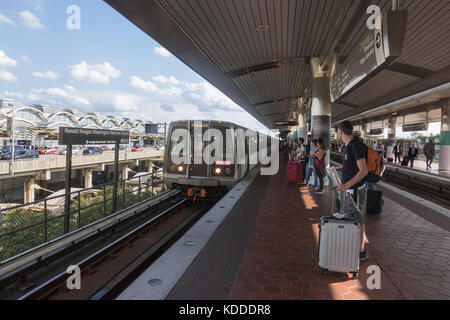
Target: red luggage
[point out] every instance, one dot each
(295, 172)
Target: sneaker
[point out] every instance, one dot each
(319, 191)
(363, 256)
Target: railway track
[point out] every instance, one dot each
(105, 273)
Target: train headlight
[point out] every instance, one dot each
(180, 169)
(228, 171)
(218, 170)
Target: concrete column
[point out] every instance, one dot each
(444, 153)
(391, 139)
(302, 126)
(150, 166)
(321, 103)
(28, 190)
(125, 172)
(88, 178)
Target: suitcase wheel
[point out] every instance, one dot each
(324, 271)
(355, 276)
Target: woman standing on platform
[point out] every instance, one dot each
(319, 163)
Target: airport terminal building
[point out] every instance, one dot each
(39, 124)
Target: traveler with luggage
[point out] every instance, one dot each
(429, 152)
(310, 170)
(354, 171)
(413, 154)
(397, 153)
(300, 156)
(319, 163)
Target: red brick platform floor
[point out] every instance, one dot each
(280, 261)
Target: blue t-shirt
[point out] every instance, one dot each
(312, 152)
(353, 152)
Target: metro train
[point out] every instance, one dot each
(204, 177)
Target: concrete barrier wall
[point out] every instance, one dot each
(58, 162)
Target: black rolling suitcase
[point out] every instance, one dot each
(405, 162)
(375, 202)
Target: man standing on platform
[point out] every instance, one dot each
(429, 152)
(413, 154)
(354, 170)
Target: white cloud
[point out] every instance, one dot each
(138, 83)
(59, 97)
(30, 20)
(15, 95)
(165, 80)
(6, 61)
(25, 58)
(47, 75)
(5, 19)
(7, 76)
(163, 52)
(99, 73)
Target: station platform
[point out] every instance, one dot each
(421, 166)
(266, 248)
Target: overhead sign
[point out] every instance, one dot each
(286, 123)
(376, 49)
(155, 128)
(376, 132)
(415, 127)
(79, 136)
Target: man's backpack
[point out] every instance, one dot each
(375, 166)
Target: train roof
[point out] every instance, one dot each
(209, 121)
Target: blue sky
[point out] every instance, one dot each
(107, 66)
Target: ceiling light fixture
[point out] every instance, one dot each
(262, 28)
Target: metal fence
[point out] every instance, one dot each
(24, 227)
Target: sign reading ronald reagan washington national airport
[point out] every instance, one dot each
(79, 136)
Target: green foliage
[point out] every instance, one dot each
(36, 232)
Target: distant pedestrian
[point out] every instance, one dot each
(429, 151)
(397, 153)
(319, 163)
(311, 170)
(380, 149)
(413, 154)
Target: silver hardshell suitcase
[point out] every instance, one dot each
(339, 243)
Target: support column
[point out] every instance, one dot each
(88, 178)
(28, 190)
(391, 139)
(321, 103)
(302, 127)
(125, 172)
(444, 153)
(150, 166)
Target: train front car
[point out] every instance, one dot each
(201, 158)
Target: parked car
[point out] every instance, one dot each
(137, 148)
(92, 150)
(106, 148)
(47, 150)
(7, 149)
(21, 155)
(75, 151)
